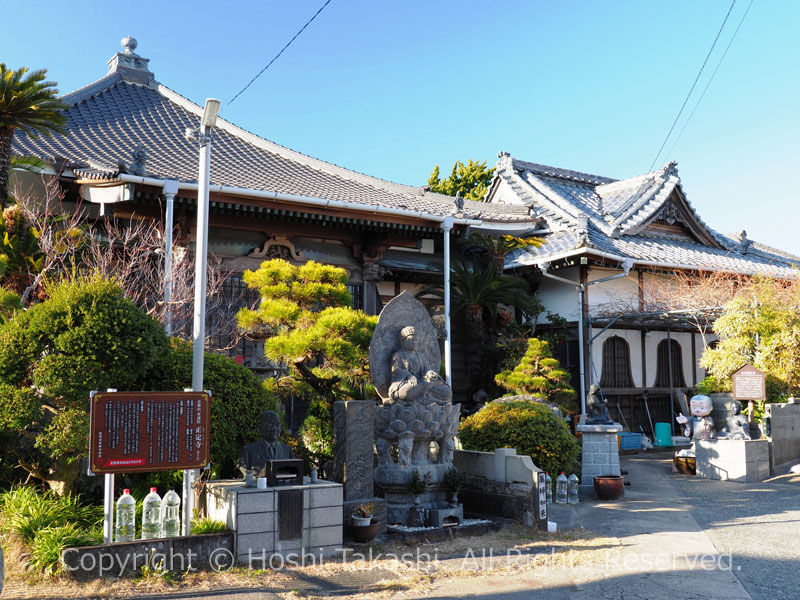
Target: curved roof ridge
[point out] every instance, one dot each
(288, 153)
(562, 173)
(81, 94)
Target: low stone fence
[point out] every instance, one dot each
(784, 432)
(195, 552)
(501, 484)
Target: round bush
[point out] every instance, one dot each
(529, 427)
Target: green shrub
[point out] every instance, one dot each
(49, 542)
(529, 427)
(237, 401)
(207, 525)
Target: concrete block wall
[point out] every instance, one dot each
(733, 460)
(252, 514)
(784, 432)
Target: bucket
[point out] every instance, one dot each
(663, 435)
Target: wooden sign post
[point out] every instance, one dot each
(749, 384)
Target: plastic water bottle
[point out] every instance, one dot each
(151, 515)
(125, 525)
(172, 514)
(573, 489)
(548, 481)
(562, 485)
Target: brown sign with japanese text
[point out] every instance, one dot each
(749, 384)
(134, 432)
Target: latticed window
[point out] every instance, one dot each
(669, 349)
(357, 293)
(616, 364)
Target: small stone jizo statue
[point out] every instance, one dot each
(736, 427)
(700, 426)
(596, 409)
(254, 456)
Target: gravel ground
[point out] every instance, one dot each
(758, 524)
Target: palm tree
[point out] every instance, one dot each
(29, 103)
(481, 289)
(498, 247)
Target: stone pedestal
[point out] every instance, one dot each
(600, 454)
(732, 460)
(281, 523)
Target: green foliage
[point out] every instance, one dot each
(453, 480)
(471, 180)
(761, 326)
(418, 484)
(539, 374)
(529, 427)
(49, 542)
(26, 511)
(207, 525)
(20, 255)
(707, 386)
(312, 330)
(29, 103)
(19, 408)
(237, 401)
(10, 303)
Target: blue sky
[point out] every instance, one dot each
(391, 88)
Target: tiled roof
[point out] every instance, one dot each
(110, 118)
(593, 214)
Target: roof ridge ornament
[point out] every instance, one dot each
(132, 67)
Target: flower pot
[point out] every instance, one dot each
(609, 487)
(686, 465)
(361, 521)
(314, 475)
(364, 533)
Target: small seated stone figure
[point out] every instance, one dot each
(410, 381)
(255, 456)
(700, 426)
(737, 426)
(596, 409)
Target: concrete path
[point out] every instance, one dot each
(664, 554)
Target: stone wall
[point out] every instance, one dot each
(501, 484)
(733, 460)
(784, 432)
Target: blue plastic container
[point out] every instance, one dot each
(663, 435)
(629, 441)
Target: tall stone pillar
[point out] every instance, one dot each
(353, 437)
(600, 454)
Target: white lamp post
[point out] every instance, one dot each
(203, 137)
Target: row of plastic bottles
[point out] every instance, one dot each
(160, 518)
(566, 488)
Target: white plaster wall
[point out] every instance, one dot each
(505, 194)
(622, 292)
(635, 344)
(559, 297)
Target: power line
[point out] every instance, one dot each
(680, 112)
(719, 64)
(289, 43)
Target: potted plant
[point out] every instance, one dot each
(453, 479)
(418, 485)
(363, 514)
(363, 529)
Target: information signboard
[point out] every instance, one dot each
(133, 432)
(749, 384)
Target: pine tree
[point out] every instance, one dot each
(471, 180)
(306, 316)
(539, 374)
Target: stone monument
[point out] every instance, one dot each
(416, 423)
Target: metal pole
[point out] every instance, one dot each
(447, 225)
(199, 330)
(580, 350)
(108, 508)
(170, 189)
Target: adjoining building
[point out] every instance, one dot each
(125, 152)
